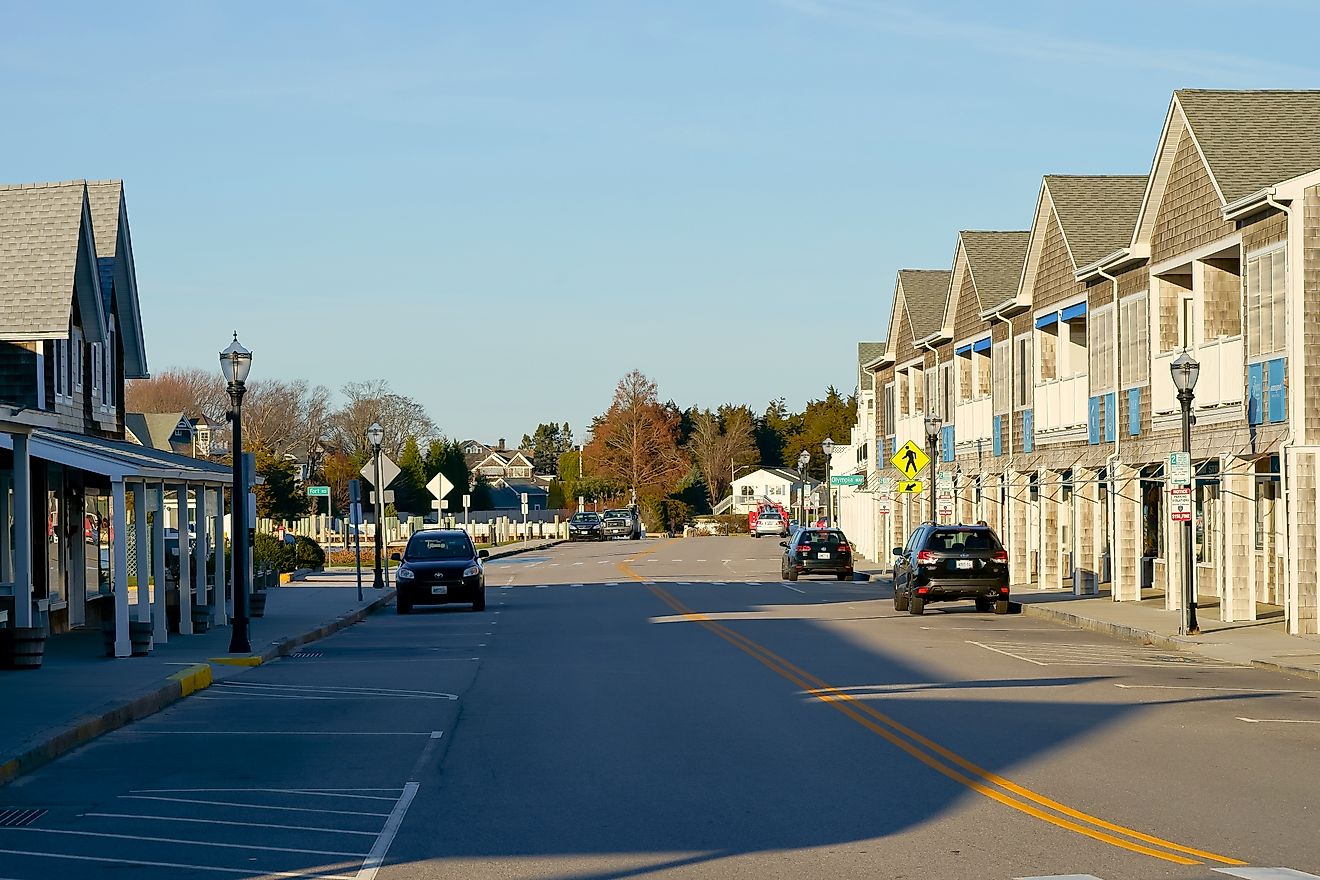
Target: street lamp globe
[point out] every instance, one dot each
(933, 426)
(827, 446)
(235, 362)
(375, 434)
(1185, 369)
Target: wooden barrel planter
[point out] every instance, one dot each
(201, 618)
(23, 647)
(139, 637)
(257, 603)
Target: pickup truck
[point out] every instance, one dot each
(623, 522)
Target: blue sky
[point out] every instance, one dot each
(503, 207)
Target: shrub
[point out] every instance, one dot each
(270, 552)
(308, 553)
(732, 523)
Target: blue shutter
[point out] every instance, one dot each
(966, 349)
(981, 344)
(946, 441)
(1134, 411)
(1093, 421)
(1276, 406)
(998, 441)
(1111, 417)
(1255, 394)
(1028, 432)
(1047, 320)
(1073, 311)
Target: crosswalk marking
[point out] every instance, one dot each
(1062, 654)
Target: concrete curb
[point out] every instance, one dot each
(518, 550)
(59, 741)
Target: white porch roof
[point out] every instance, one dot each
(119, 460)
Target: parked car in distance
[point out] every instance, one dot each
(622, 522)
(816, 551)
(946, 563)
(439, 566)
(770, 522)
(586, 526)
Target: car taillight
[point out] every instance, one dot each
(999, 556)
(925, 557)
(804, 548)
(844, 548)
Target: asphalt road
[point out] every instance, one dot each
(669, 708)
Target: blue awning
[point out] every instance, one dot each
(1075, 311)
(966, 349)
(1047, 320)
(981, 344)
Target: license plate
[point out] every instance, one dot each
(822, 555)
(439, 590)
(966, 563)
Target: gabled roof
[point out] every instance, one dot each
(154, 429)
(1096, 213)
(925, 295)
(1253, 139)
(867, 352)
(47, 257)
(114, 257)
(994, 260)
(783, 473)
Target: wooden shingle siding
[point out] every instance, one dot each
(1262, 230)
(1190, 213)
(904, 350)
(1099, 293)
(1133, 281)
(1311, 294)
(967, 321)
(18, 371)
(1054, 275)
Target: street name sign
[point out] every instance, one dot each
(846, 479)
(910, 460)
(319, 491)
(910, 486)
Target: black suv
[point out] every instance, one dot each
(816, 551)
(947, 563)
(586, 527)
(439, 566)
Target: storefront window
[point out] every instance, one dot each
(1152, 511)
(55, 591)
(104, 550)
(1205, 515)
(1267, 494)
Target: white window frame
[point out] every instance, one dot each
(108, 374)
(41, 375)
(1024, 371)
(1134, 354)
(887, 409)
(1278, 305)
(1002, 378)
(1101, 352)
(1063, 352)
(77, 359)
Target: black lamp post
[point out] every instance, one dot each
(235, 362)
(1186, 369)
(827, 447)
(803, 459)
(933, 425)
(375, 436)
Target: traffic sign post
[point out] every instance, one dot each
(944, 494)
(467, 502)
(355, 521)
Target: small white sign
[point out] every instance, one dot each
(944, 481)
(1180, 505)
(1180, 468)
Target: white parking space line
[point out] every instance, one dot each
(1062, 877)
(141, 817)
(793, 588)
(144, 863)
(1266, 874)
(342, 689)
(382, 846)
(248, 806)
(285, 733)
(189, 842)
(1060, 654)
(1006, 654)
(1278, 720)
(313, 792)
(575, 585)
(1192, 687)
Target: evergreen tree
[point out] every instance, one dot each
(410, 493)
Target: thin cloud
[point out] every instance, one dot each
(1034, 45)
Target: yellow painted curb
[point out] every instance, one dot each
(195, 678)
(247, 660)
(286, 578)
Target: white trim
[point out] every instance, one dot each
(1186, 258)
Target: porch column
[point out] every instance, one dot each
(1018, 514)
(1125, 539)
(6, 552)
(1086, 506)
(222, 600)
(22, 561)
(200, 556)
(161, 629)
(142, 553)
(185, 561)
(119, 520)
(1238, 568)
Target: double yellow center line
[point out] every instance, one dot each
(936, 756)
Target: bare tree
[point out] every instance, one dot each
(719, 444)
(371, 401)
(636, 441)
(286, 418)
(194, 392)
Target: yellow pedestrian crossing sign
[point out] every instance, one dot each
(911, 486)
(910, 459)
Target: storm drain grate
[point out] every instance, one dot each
(16, 817)
(305, 655)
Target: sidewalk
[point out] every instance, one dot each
(79, 693)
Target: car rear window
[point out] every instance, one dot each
(823, 537)
(770, 516)
(960, 540)
(438, 547)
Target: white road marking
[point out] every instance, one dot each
(575, 585)
(653, 559)
(1278, 720)
(507, 587)
(701, 560)
(1266, 873)
(542, 586)
(382, 846)
(315, 792)
(612, 584)
(315, 872)
(1190, 687)
(793, 588)
(158, 731)
(192, 842)
(579, 563)
(554, 564)
(238, 693)
(262, 825)
(143, 797)
(341, 689)
(1062, 877)
(1007, 654)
